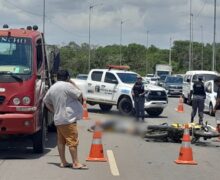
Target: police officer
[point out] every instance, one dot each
(198, 100)
(139, 99)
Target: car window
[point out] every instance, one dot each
(215, 87)
(110, 78)
(129, 78)
(206, 77)
(185, 78)
(96, 75)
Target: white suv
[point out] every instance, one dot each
(108, 87)
(190, 78)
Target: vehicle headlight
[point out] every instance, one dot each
(26, 100)
(16, 101)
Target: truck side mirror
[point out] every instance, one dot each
(188, 80)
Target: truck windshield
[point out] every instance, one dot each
(129, 78)
(206, 77)
(160, 73)
(15, 55)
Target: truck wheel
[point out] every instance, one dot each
(105, 107)
(154, 111)
(211, 110)
(39, 138)
(125, 106)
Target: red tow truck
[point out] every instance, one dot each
(25, 76)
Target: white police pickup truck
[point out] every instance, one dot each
(108, 87)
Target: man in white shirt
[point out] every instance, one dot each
(63, 99)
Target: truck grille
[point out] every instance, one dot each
(156, 96)
(175, 87)
(2, 98)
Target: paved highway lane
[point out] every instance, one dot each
(135, 157)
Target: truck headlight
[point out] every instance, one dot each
(16, 101)
(26, 100)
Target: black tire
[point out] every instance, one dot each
(206, 134)
(52, 128)
(50, 122)
(211, 110)
(39, 137)
(105, 107)
(156, 134)
(125, 106)
(154, 111)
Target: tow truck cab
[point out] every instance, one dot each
(24, 80)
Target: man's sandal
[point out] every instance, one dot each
(82, 167)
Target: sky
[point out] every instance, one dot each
(146, 22)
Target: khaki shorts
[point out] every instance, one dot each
(68, 135)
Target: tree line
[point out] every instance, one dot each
(142, 60)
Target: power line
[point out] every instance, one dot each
(200, 11)
(47, 17)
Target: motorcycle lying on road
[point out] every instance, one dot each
(175, 131)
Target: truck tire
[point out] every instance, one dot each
(39, 137)
(50, 126)
(105, 107)
(125, 106)
(154, 111)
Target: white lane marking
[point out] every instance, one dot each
(112, 163)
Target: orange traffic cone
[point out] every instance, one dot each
(96, 151)
(185, 154)
(85, 110)
(180, 105)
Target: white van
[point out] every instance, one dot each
(191, 77)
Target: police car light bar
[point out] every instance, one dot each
(118, 67)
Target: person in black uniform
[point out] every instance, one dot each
(139, 99)
(198, 100)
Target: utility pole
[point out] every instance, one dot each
(170, 53)
(44, 9)
(90, 9)
(213, 45)
(146, 53)
(121, 23)
(190, 42)
(202, 63)
(90, 14)
(192, 54)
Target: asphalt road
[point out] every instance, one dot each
(135, 158)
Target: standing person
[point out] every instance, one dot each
(217, 105)
(139, 99)
(198, 100)
(63, 99)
